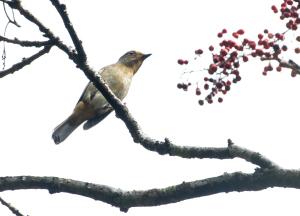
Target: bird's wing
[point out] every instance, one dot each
(98, 118)
(88, 93)
(90, 90)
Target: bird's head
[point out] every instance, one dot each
(133, 59)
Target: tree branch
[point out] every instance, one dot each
(61, 9)
(25, 62)
(286, 64)
(27, 43)
(5, 1)
(7, 16)
(10, 207)
(259, 180)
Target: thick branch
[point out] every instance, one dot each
(25, 62)
(26, 43)
(259, 180)
(10, 207)
(292, 65)
(286, 64)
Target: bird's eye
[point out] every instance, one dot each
(131, 53)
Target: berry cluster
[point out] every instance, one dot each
(229, 54)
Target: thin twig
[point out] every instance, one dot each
(27, 43)
(16, 4)
(10, 207)
(7, 16)
(25, 62)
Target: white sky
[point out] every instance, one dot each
(261, 113)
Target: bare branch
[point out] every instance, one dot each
(25, 62)
(27, 43)
(250, 156)
(10, 207)
(7, 16)
(228, 182)
(61, 9)
(5, 1)
(286, 64)
(16, 4)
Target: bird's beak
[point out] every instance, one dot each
(146, 56)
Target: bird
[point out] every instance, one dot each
(92, 107)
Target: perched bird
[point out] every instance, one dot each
(92, 107)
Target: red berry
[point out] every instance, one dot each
(180, 61)
(235, 34)
(252, 44)
(266, 31)
(219, 85)
(297, 50)
(260, 36)
(220, 34)
(179, 85)
(284, 48)
(274, 8)
(186, 62)
(241, 31)
(259, 52)
(223, 52)
(227, 65)
(245, 58)
(278, 68)
(198, 92)
(211, 48)
(206, 86)
(279, 36)
(224, 31)
(293, 73)
(270, 35)
(198, 51)
(212, 68)
(220, 100)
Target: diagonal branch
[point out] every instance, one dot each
(10, 207)
(26, 43)
(25, 62)
(124, 200)
(61, 9)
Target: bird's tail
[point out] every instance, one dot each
(63, 130)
